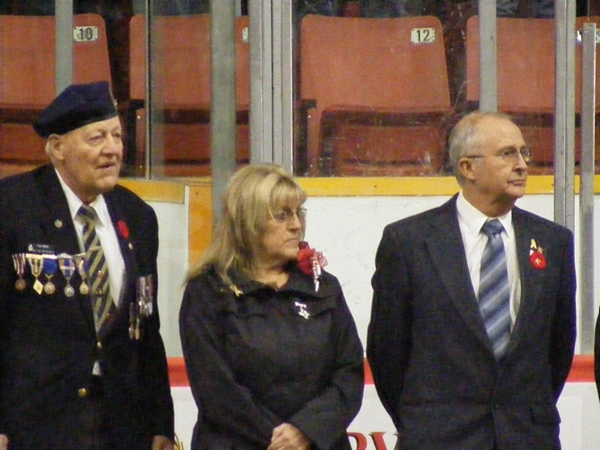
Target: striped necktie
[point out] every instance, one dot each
(494, 289)
(96, 268)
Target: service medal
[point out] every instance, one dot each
(69, 291)
(134, 322)
(145, 294)
(79, 261)
(35, 263)
(20, 261)
(84, 289)
(50, 268)
(49, 288)
(20, 284)
(67, 267)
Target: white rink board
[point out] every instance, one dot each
(578, 405)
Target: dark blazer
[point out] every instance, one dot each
(48, 343)
(257, 358)
(432, 360)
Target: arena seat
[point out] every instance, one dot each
(27, 75)
(183, 90)
(526, 81)
(377, 95)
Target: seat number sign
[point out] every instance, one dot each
(422, 35)
(85, 34)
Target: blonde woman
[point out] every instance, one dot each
(271, 349)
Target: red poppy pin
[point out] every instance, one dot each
(311, 262)
(536, 256)
(123, 229)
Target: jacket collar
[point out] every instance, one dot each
(446, 251)
(298, 283)
(453, 271)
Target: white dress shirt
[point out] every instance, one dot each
(106, 233)
(471, 220)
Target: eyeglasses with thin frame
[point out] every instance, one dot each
(287, 215)
(509, 155)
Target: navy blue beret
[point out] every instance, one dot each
(76, 106)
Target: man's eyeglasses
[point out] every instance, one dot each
(287, 215)
(509, 155)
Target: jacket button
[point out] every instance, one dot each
(83, 392)
(99, 345)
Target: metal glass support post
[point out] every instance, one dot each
(63, 13)
(564, 143)
(587, 313)
(271, 82)
(283, 113)
(154, 152)
(154, 95)
(261, 81)
(223, 100)
(488, 74)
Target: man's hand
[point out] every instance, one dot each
(158, 443)
(3, 442)
(287, 437)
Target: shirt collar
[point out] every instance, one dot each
(99, 204)
(474, 219)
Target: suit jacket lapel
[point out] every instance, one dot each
(129, 276)
(55, 220)
(55, 216)
(447, 251)
(529, 277)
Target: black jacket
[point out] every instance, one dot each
(262, 357)
(48, 343)
(431, 357)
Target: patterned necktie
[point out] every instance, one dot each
(494, 289)
(96, 268)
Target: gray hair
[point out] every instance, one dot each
(466, 138)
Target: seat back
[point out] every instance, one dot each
(370, 66)
(526, 65)
(27, 74)
(182, 59)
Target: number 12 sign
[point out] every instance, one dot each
(422, 35)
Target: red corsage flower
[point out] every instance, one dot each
(536, 256)
(311, 262)
(123, 229)
(537, 260)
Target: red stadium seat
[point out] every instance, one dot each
(379, 88)
(183, 85)
(27, 65)
(526, 80)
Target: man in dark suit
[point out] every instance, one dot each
(82, 363)
(471, 337)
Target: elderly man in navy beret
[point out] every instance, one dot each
(82, 362)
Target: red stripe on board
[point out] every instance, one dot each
(582, 371)
(177, 373)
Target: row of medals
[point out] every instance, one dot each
(49, 264)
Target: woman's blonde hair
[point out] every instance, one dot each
(252, 196)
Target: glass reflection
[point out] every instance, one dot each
(382, 102)
(379, 82)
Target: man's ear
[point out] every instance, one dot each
(466, 168)
(55, 147)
